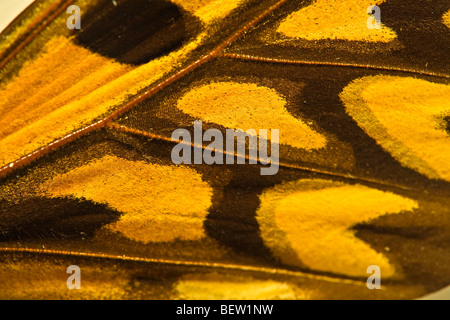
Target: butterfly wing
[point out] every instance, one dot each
(88, 177)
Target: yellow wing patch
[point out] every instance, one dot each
(159, 203)
(23, 24)
(446, 18)
(46, 280)
(209, 10)
(307, 222)
(335, 19)
(406, 117)
(33, 113)
(249, 106)
(213, 287)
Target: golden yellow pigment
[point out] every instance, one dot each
(42, 279)
(446, 18)
(335, 19)
(226, 288)
(209, 10)
(406, 117)
(36, 110)
(40, 12)
(249, 106)
(21, 28)
(44, 102)
(158, 203)
(307, 222)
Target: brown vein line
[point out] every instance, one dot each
(34, 29)
(215, 265)
(9, 168)
(285, 165)
(25, 160)
(324, 63)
